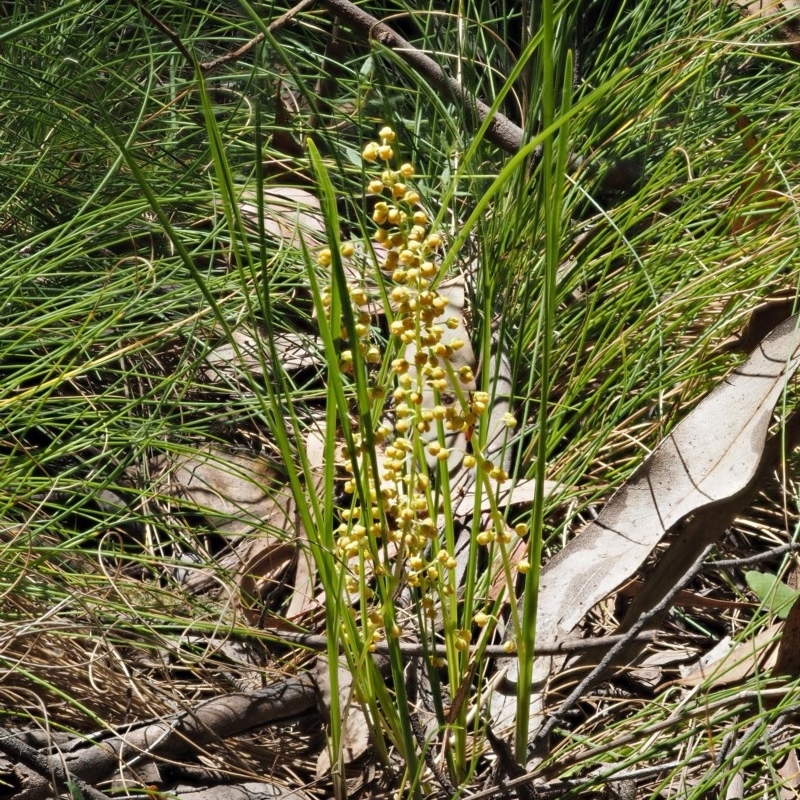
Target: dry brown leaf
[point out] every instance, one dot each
(756, 202)
(500, 390)
(261, 574)
(252, 790)
(686, 599)
(735, 790)
(789, 770)
(765, 317)
(520, 493)
(304, 600)
(738, 663)
(228, 489)
(787, 662)
(231, 362)
(236, 494)
(711, 455)
(291, 214)
(454, 292)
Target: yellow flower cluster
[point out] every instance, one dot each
(432, 401)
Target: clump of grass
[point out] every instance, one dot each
(417, 429)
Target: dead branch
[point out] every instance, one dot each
(210, 66)
(319, 641)
(501, 132)
(44, 769)
(96, 759)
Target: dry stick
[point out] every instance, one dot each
(747, 560)
(208, 66)
(168, 32)
(501, 132)
(47, 768)
(210, 720)
(597, 672)
(316, 641)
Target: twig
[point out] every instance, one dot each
(168, 738)
(47, 768)
(419, 734)
(209, 66)
(507, 764)
(168, 32)
(501, 132)
(792, 547)
(316, 641)
(598, 671)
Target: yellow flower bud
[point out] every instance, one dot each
(500, 475)
(407, 170)
(386, 134)
(523, 566)
(370, 152)
(385, 152)
(324, 257)
(427, 269)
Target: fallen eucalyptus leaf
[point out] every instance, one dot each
(454, 292)
(231, 362)
(789, 770)
(228, 489)
(520, 493)
(291, 214)
(736, 664)
(711, 457)
(786, 16)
